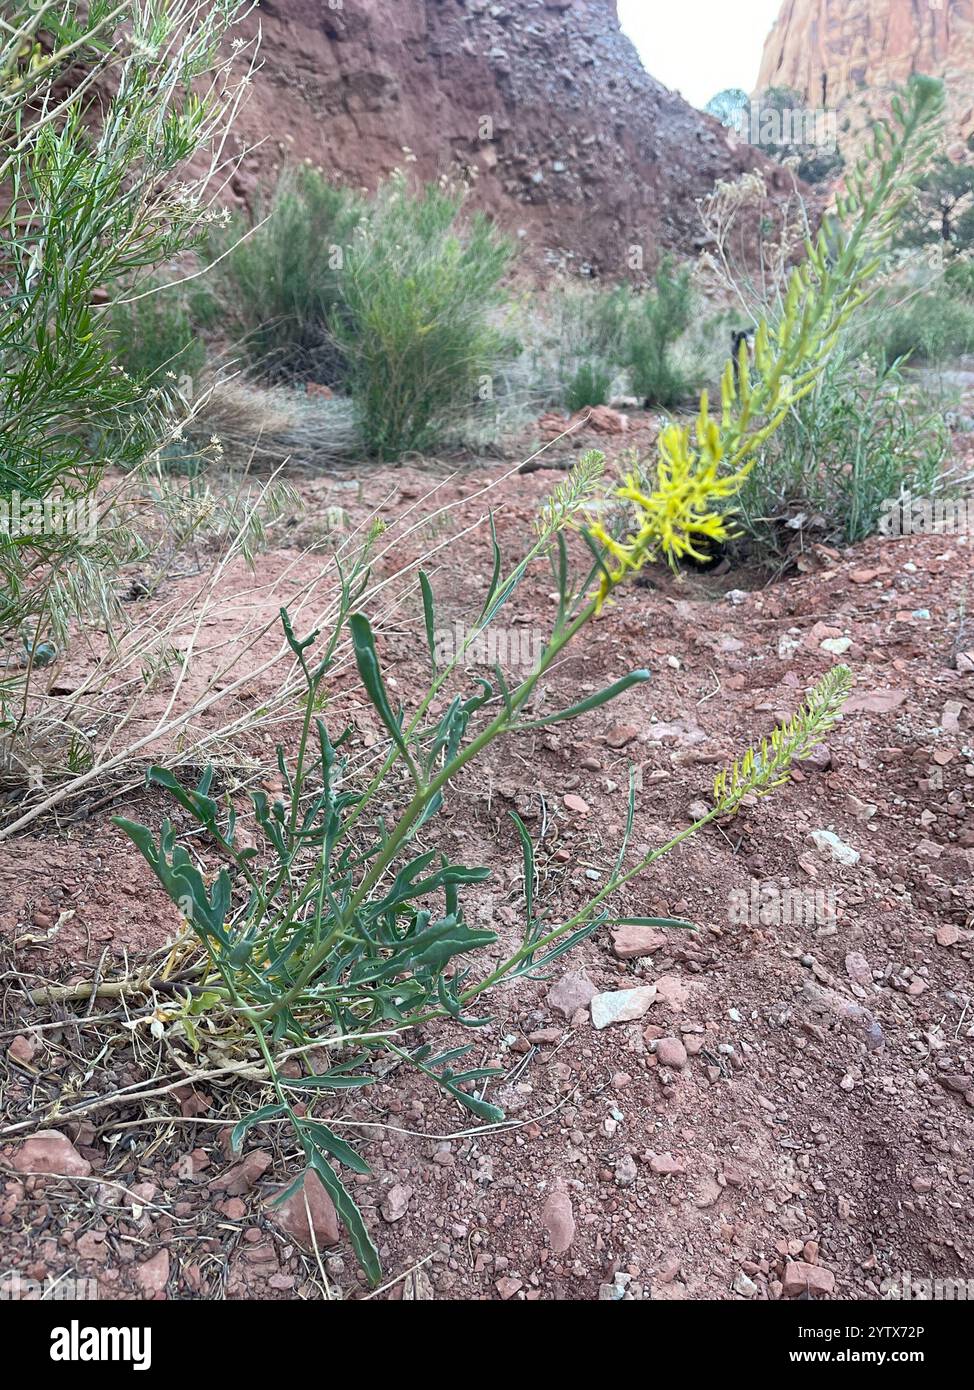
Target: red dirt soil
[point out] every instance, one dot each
(808, 1116)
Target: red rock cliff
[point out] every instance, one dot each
(855, 51)
(571, 142)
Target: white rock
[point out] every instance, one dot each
(839, 850)
(621, 1005)
(787, 646)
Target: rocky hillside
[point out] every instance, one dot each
(848, 54)
(543, 104)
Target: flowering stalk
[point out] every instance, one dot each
(338, 937)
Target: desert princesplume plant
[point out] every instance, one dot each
(340, 931)
(794, 343)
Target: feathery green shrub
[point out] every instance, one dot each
(415, 324)
(589, 386)
(862, 435)
(279, 281)
(932, 325)
(153, 336)
(662, 317)
(98, 119)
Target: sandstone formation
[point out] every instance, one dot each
(850, 54)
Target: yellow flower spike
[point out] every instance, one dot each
(701, 467)
(679, 511)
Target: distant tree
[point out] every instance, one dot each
(783, 126)
(729, 106)
(944, 208)
(789, 129)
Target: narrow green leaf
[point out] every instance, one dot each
(350, 1215)
(561, 576)
(627, 833)
(593, 702)
(429, 615)
(495, 576)
(649, 922)
(527, 852)
(367, 662)
(328, 1082)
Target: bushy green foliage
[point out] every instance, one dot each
(959, 276)
(929, 325)
(593, 322)
(660, 320)
(943, 209)
(392, 298)
(86, 191)
(279, 281)
(415, 325)
(862, 436)
(153, 336)
(653, 344)
(589, 386)
(729, 107)
(575, 342)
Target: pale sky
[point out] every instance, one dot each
(699, 47)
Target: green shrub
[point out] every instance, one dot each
(574, 340)
(590, 385)
(862, 436)
(662, 317)
(655, 343)
(82, 163)
(931, 326)
(941, 212)
(595, 322)
(415, 324)
(154, 335)
(959, 276)
(280, 286)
